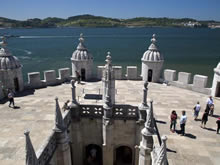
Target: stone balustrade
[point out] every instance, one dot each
(124, 112)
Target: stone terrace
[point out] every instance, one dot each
(36, 113)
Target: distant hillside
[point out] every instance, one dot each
(97, 21)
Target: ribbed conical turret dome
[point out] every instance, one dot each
(7, 61)
(81, 53)
(153, 54)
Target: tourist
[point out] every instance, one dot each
(211, 111)
(209, 103)
(11, 98)
(196, 110)
(183, 123)
(78, 77)
(65, 106)
(204, 118)
(218, 125)
(173, 118)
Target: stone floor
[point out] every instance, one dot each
(36, 112)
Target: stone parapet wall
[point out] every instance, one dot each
(199, 82)
(131, 73)
(50, 78)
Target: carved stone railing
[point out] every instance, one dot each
(95, 111)
(125, 112)
(46, 152)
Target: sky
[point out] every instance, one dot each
(25, 9)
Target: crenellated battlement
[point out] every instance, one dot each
(184, 80)
(34, 78)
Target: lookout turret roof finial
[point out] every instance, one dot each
(108, 58)
(81, 39)
(153, 53)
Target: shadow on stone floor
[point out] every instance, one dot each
(215, 116)
(189, 135)
(25, 93)
(160, 122)
(210, 129)
(170, 150)
(4, 100)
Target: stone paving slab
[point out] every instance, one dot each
(36, 113)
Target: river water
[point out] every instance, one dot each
(192, 50)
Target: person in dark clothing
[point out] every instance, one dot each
(173, 118)
(11, 99)
(204, 118)
(218, 125)
(78, 77)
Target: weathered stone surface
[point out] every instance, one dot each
(184, 77)
(64, 74)
(37, 113)
(99, 72)
(34, 79)
(131, 73)
(169, 75)
(200, 81)
(216, 82)
(50, 77)
(118, 72)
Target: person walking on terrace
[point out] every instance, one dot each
(209, 103)
(196, 110)
(204, 118)
(183, 120)
(11, 99)
(218, 125)
(173, 118)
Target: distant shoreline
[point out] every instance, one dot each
(105, 22)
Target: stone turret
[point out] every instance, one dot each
(31, 158)
(82, 61)
(146, 145)
(10, 70)
(152, 63)
(63, 154)
(216, 82)
(108, 87)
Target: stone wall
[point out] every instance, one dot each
(184, 80)
(50, 78)
(131, 73)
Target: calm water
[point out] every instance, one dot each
(184, 49)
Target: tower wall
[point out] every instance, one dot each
(156, 68)
(79, 65)
(7, 77)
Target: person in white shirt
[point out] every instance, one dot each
(183, 120)
(209, 104)
(196, 110)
